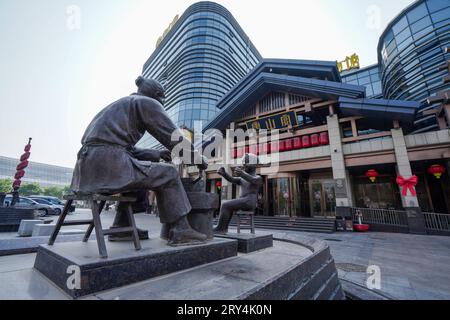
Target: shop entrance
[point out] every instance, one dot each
(286, 196)
(323, 198)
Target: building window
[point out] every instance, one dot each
(379, 195)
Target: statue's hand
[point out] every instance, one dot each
(221, 171)
(166, 155)
(238, 171)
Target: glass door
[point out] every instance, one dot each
(323, 198)
(285, 197)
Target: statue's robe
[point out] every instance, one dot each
(109, 162)
(248, 200)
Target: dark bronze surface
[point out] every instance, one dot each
(249, 182)
(109, 163)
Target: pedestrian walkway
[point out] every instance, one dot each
(411, 266)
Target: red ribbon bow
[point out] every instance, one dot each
(408, 184)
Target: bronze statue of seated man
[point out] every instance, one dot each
(109, 163)
(250, 184)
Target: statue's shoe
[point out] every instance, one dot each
(186, 237)
(220, 231)
(126, 236)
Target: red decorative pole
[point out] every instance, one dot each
(23, 164)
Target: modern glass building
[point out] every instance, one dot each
(368, 77)
(202, 57)
(44, 174)
(411, 53)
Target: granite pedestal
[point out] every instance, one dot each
(64, 262)
(10, 218)
(249, 242)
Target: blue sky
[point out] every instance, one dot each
(56, 74)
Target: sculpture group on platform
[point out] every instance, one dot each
(109, 163)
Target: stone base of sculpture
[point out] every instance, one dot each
(248, 243)
(65, 263)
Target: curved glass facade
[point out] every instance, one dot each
(368, 77)
(410, 52)
(203, 56)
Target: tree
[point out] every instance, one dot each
(5, 185)
(54, 192)
(29, 189)
(66, 190)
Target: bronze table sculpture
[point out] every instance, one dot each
(109, 163)
(249, 182)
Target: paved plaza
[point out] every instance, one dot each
(411, 266)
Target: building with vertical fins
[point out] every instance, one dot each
(199, 58)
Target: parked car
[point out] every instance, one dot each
(57, 208)
(54, 201)
(26, 203)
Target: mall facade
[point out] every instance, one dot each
(374, 141)
(198, 59)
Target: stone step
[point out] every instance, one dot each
(319, 225)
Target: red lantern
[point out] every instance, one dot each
(306, 142)
(282, 146)
(25, 156)
(17, 183)
(297, 143)
(372, 175)
(324, 139)
(22, 165)
(219, 185)
(19, 175)
(20, 171)
(436, 170)
(315, 140)
(288, 144)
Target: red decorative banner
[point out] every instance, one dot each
(408, 184)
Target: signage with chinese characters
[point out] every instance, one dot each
(278, 121)
(160, 39)
(349, 63)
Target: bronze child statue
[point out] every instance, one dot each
(109, 163)
(249, 182)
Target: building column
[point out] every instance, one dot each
(410, 203)
(340, 174)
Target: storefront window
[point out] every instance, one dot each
(379, 195)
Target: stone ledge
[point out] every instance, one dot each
(125, 265)
(248, 242)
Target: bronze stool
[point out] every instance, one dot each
(97, 204)
(245, 221)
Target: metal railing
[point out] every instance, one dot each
(381, 216)
(437, 221)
